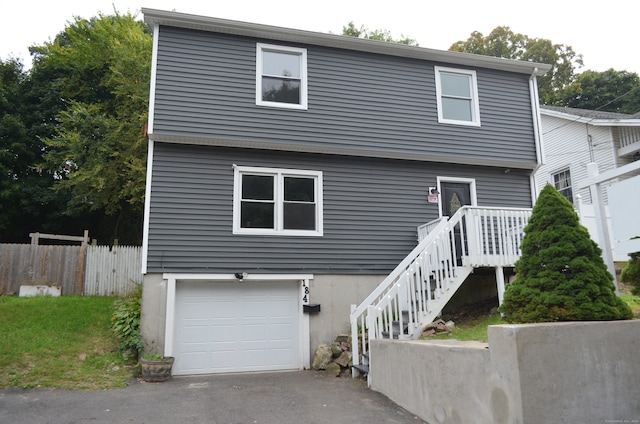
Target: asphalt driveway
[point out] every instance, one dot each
(299, 397)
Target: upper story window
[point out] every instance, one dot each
(562, 183)
(281, 76)
(277, 201)
(457, 92)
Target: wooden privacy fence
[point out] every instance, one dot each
(88, 270)
(112, 271)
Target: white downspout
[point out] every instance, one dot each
(537, 131)
(150, 119)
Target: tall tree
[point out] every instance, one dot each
(98, 150)
(610, 91)
(378, 34)
(502, 42)
(28, 106)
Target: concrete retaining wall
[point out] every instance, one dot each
(577, 372)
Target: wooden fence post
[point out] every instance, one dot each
(82, 263)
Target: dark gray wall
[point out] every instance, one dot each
(375, 105)
(371, 210)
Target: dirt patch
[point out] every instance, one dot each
(469, 313)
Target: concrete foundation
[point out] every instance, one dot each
(576, 372)
(154, 309)
(336, 294)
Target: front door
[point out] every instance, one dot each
(453, 196)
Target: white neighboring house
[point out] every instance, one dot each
(572, 138)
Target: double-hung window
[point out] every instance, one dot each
(457, 94)
(277, 201)
(562, 183)
(281, 76)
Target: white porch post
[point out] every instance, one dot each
(355, 338)
(601, 222)
(500, 283)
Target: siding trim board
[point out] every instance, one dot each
(336, 150)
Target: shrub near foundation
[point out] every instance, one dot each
(125, 324)
(561, 275)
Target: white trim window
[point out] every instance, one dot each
(562, 182)
(457, 95)
(281, 76)
(277, 201)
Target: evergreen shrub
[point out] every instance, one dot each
(561, 275)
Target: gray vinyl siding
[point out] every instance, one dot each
(370, 104)
(371, 210)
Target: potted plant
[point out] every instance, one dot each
(156, 368)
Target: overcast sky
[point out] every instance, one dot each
(605, 33)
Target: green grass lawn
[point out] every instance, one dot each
(633, 302)
(59, 342)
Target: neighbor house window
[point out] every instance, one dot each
(457, 94)
(277, 201)
(562, 183)
(281, 76)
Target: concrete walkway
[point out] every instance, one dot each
(298, 397)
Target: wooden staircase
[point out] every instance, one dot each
(417, 290)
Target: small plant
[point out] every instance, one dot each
(153, 357)
(125, 323)
(631, 273)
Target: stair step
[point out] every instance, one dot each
(362, 368)
(385, 335)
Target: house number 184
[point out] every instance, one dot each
(305, 293)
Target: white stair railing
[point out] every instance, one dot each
(495, 235)
(425, 229)
(417, 290)
(414, 286)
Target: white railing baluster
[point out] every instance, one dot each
(425, 229)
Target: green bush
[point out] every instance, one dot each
(561, 275)
(631, 273)
(125, 323)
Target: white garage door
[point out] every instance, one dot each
(235, 327)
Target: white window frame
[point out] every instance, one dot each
(552, 181)
(279, 174)
(473, 89)
(260, 49)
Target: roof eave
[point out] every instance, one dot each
(183, 20)
(596, 122)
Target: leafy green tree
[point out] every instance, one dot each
(98, 150)
(561, 275)
(378, 34)
(27, 109)
(610, 91)
(503, 42)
